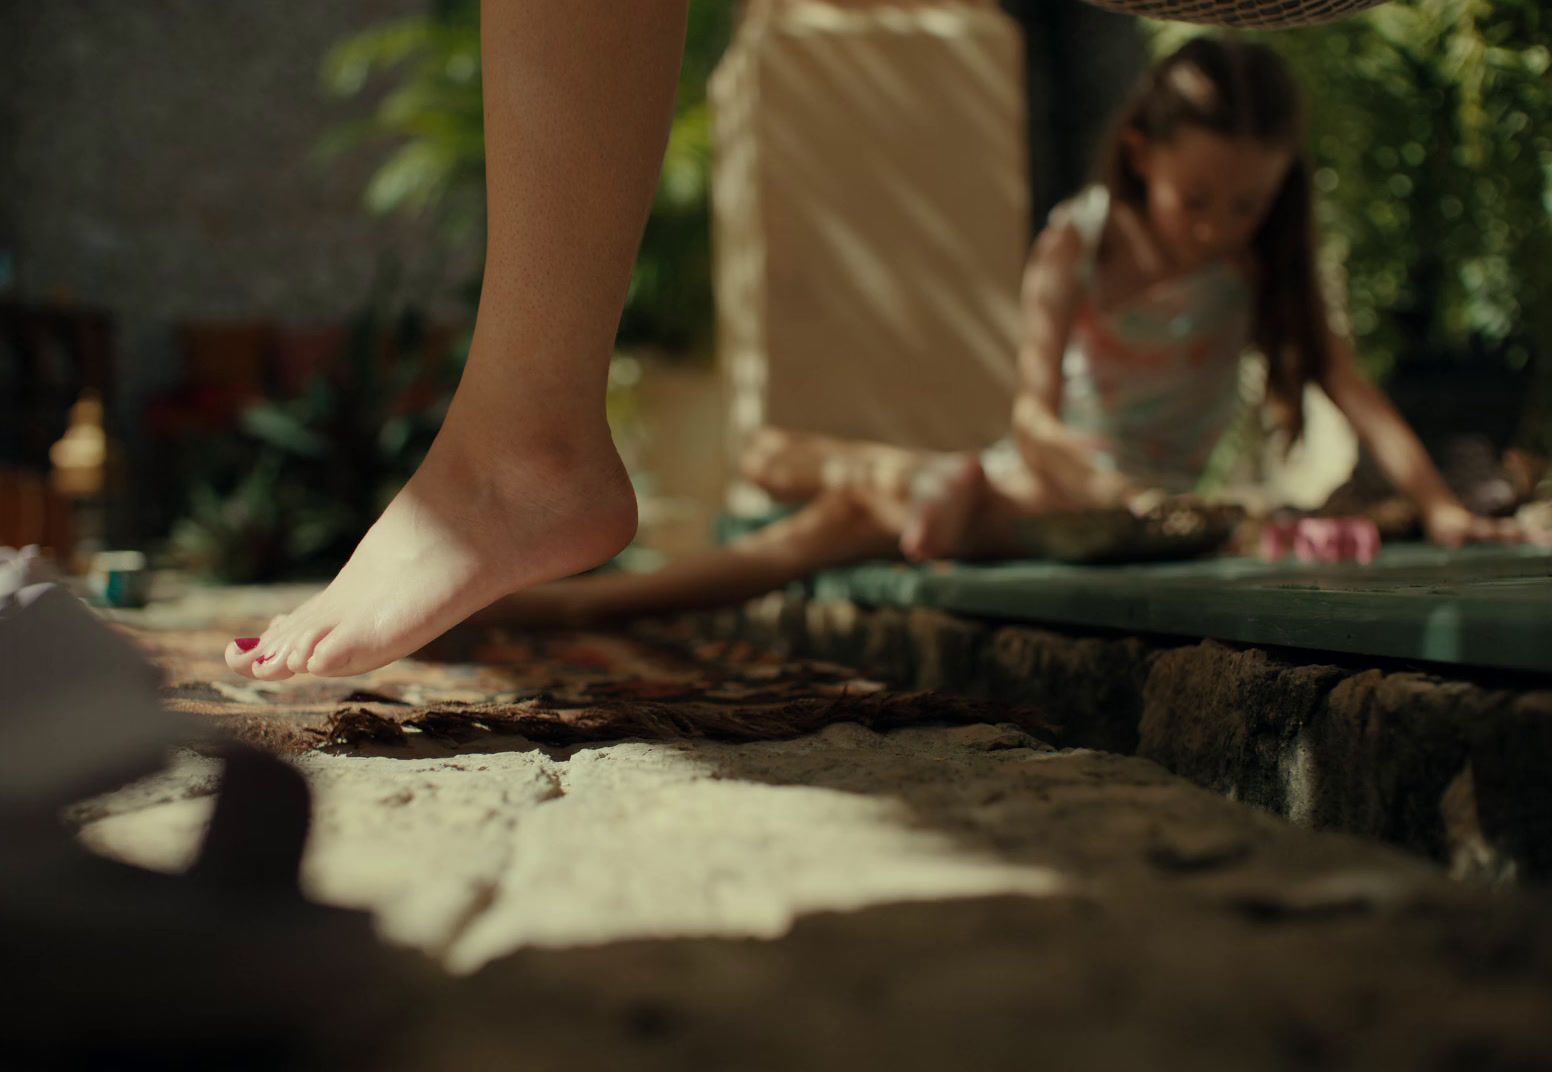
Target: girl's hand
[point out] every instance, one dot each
(1143, 501)
(1451, 525)
(1108, 490)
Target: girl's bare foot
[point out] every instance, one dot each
(475, 522)
(799, 466)
(944, 497)
(790, 466)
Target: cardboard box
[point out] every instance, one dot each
(871, 220)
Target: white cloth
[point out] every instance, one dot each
(79, 710)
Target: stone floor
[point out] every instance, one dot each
(929, 896)
(1449, 762)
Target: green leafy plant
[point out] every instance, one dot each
(304, 478)
(1432, 135)
(431, 114)
(292, 490)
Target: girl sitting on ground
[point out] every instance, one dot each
(1139, 300)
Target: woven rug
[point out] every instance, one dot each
(551, 688)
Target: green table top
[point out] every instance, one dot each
(1480, 606)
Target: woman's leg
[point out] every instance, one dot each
(833, 530)
(523, 483)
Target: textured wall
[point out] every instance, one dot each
(154, 153)
(157, 161)
(157, 158)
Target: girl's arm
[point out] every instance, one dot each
(1052, 291)
(1402, 458)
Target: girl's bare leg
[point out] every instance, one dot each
(945, 498)
(796, 466)
(523, 483)
(928, 497)
(998, 526)
(956, 508)
(931, 499)
(833, 530)
(837, 528)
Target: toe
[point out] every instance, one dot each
(328, 657)
(302, 648)
(241, 653)
(334, 656)
(914, 540)
(271, 666)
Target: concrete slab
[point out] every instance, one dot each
(1479, 606)
(1447, 762)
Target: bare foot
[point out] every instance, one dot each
(789, 466)
(484, 515)
(945, 495)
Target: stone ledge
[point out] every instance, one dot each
(1457, 770)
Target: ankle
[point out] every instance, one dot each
(535, 451)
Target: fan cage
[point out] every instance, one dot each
(1241, 12)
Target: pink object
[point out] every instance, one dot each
(1318, 539)
(1276, 540)
(246, 643)
(1363, 540)
(1322, 539)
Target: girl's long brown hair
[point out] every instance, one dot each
(1241, 89)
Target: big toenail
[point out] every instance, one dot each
(246, 643)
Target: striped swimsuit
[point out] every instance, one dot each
(1155, 379)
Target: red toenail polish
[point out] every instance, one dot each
(262, 659)
(247, 643)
